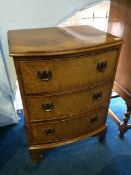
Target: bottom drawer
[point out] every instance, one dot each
(65, 129)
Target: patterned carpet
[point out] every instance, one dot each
(87, 157)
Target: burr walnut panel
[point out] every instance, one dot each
(58, 40)
(69, 128)
(54, 75)
(67, 105)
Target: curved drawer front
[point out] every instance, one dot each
(55, 75)
(47, 108)
(66, 129)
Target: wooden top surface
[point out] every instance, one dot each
(58, 40)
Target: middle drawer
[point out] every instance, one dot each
(67, 105)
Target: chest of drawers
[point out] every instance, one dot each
(65, 77)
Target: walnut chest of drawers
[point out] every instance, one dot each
(65, 77)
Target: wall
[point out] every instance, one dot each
(8, 114)
(16, 14)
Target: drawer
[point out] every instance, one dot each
(51, 107)
(54, 75)
(66, 129)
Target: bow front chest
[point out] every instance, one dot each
(65, 77)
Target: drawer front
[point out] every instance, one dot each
(55, 75)
(50, 107)
(66, 129)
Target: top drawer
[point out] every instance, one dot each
(63, 74)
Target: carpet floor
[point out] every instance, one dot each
(86, 157)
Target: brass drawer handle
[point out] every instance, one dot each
(97, 96)
(49, 132)
(47, 107)
(94, 119)
(102, 66)
(44, 75)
